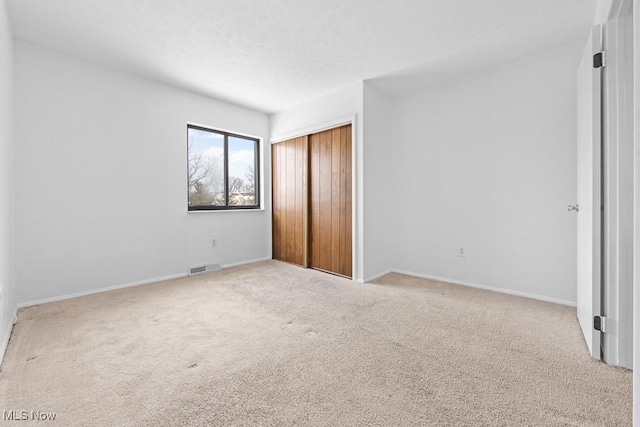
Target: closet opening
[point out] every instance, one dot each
(312, 201)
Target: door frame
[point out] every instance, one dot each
(617, 135)
(636, 201)
(331, 124)
(590, 226)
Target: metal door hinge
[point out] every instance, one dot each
(599, 60)
(600, 323)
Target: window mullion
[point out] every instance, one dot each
(226, 170)
(256, 173)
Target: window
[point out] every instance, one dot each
(223, 170)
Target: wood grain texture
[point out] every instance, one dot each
(311, 199)
(289, 200)
(342, 226)
(275, 202)
(348, 207)
(330, 211)
(314, 202)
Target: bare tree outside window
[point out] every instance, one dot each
(242, 160)
(214, 183)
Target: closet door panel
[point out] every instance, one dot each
(348, 256)
(276, 215)
(330, 214)
(335, 199)
(314, 197)
(300, 226)
(290, 175)
(289, 200)
(283, 199)
(325, 201)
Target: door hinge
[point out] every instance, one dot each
(600, 324)
(599, 60)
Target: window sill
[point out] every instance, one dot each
(225, 211)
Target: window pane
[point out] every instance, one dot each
(206, 168)
(242, 174)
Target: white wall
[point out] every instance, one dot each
(487, 162)
(380, 212)
(314, 115)
(603, 9)
(7, 276)
(297, 120)
(636, 234)
(101, 179)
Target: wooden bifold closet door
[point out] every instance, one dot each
(312, 201)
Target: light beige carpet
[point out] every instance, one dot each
(273, 344)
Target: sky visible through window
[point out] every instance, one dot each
(241, 154)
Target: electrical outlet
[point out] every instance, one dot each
(461, 251)
(214, 243)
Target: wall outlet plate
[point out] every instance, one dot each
(461, 251)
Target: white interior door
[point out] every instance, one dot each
(589, 292)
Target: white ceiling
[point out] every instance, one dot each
(273, 54)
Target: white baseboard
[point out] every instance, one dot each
(122, 286)
(251, 261)
(7, 335)
(375, 276)
(479, 286)
(99, 290)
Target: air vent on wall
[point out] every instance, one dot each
(204, 268)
